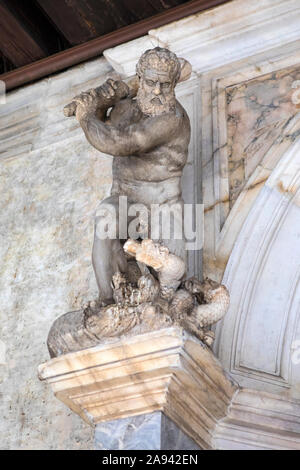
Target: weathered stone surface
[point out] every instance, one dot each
(258, 112)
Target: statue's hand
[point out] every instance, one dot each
(89, 102)
(109, 88)
(86, 104)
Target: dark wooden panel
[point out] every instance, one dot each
(40, 25)
(5, 64)
(161, 5)
(17, 42)
(67, 20)
(142, 9)
(82, 20)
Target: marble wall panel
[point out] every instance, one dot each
(258, 111)
(249, 119)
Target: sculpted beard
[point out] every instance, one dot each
(154, 105)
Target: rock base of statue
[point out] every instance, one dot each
(144, 302)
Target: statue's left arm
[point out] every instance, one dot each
(132, 139)
(129, 139)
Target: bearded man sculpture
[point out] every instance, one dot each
(148, 136)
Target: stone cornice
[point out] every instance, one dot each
(219, 36)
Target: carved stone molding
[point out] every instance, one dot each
(32, 119)
(167, 370)
(259, 421)
(188, 94)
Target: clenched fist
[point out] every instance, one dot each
(86, 103)
(97, 100)
(109, 88)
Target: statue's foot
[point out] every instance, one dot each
(93, 307)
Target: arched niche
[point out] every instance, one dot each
(256, 341)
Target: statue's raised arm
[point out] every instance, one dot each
(144, 123)
(130, 138)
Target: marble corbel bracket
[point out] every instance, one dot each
(172, 372)
(166, 370)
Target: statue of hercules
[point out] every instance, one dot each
(148, 136)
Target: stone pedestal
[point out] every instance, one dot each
(166, 390)
(166, 370)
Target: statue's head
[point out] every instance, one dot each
(158, 70)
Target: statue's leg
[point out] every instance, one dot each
(169, 228)
(108, 255)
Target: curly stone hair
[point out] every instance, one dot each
(159, 59)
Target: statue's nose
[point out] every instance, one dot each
(157, 89)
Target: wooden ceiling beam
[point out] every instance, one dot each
(88, 19)
(17, 42)
(68, 19)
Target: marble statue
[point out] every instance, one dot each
(148, 137)
(141, 282)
